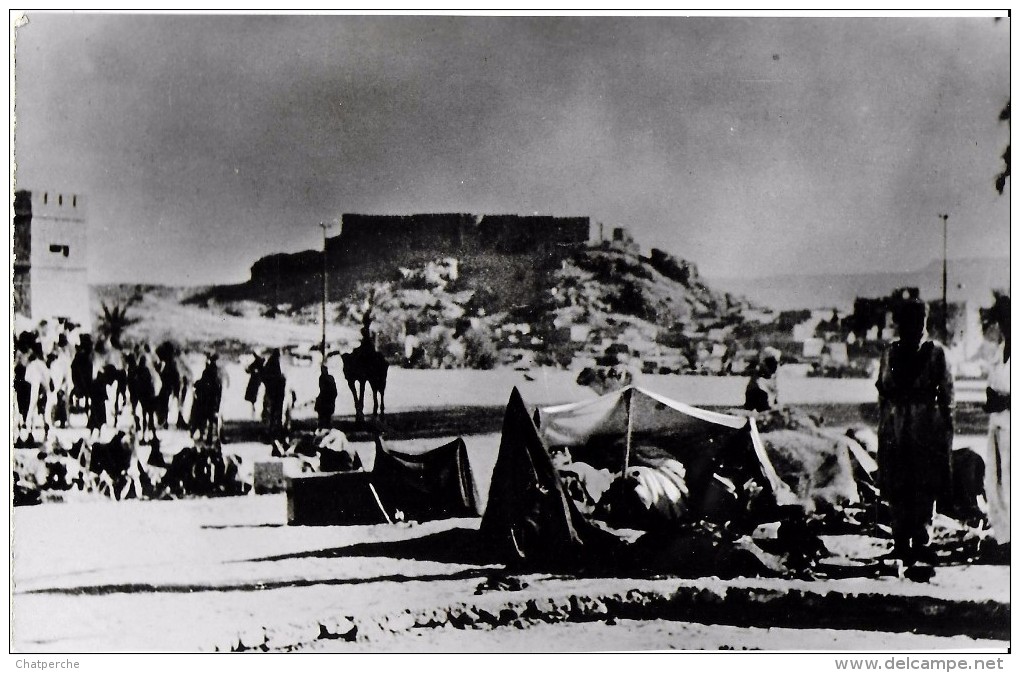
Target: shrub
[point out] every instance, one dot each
(480, 350)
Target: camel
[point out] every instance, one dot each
(144, 385)
(113, 371)
(366, 365)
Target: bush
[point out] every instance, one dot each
(480, 350)
(433, 351)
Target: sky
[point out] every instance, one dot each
(750, 146)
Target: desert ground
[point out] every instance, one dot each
(229, 574)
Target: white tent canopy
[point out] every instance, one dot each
(635, 412)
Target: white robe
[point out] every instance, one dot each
(997, 460)
(38, 377)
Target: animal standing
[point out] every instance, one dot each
(144, 386)
(366, 365)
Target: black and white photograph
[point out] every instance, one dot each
(518, 332)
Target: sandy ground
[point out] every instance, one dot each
(653, 634)
(409, 389)
(194, 574)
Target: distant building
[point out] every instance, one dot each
(50, 248)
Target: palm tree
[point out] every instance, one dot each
(115, 320)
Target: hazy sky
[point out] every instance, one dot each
(750, 146)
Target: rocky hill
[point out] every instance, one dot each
(598, 304)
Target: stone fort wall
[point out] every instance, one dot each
(408, 239)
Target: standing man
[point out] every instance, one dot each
(59, 364)
(37, 375)
(276, 388)
(254, 372)
(915, 431)
(205, 414)
(325, 403)
(762, 392)
(997, 406)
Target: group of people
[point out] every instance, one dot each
(266, 381)
(915, 433)
(42, 376)
(60, 370)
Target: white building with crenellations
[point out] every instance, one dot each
(51, 257)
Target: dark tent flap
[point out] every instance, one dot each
(433, 485)
(342, 498)
(528, 516)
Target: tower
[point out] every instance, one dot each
(51, 268)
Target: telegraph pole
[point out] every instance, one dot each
(325, 290)
(945, 263)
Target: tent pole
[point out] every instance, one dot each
(630, 425)
(378, 502)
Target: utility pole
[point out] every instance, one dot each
(325, 290)
(945, 263)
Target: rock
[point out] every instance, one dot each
(507, 615)
(486, 616)
(615, 602)
(586, 608)
(291, 635)
(635, 597)
(307, 632)
(281, 637)
(338, 627)
(440, 616)
(251, 639)
(372, 631)
(458, 617)
(432, 618)
(398, 623)
(561, 610)
(538, 607)
(708, 596)
(225, 645)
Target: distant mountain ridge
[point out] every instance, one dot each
(970, 280)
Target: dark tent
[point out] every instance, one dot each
(437, 484)
(333, 499)
(530, 521)
(528, 517)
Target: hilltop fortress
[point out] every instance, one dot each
(419, 238)
(510, 255)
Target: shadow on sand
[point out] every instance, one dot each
(146, 588)
(456, 545)
(415, 424)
